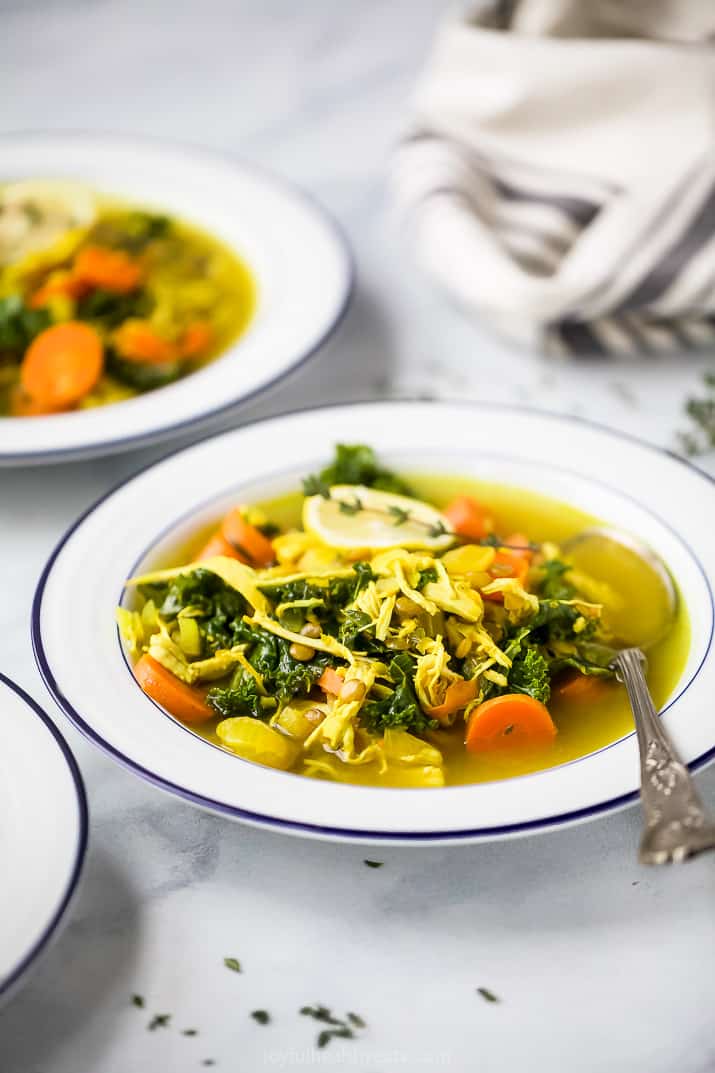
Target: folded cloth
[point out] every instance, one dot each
(558, 176)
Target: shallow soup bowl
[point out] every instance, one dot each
(299, 263)
(151, 516)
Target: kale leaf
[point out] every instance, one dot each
(222, 608)
(110, 309)
(19, 325)
(401, 708)
(426, 576)
(553, 585)
(530, 674)
(589, 657)
(240, 697)
(356, 464)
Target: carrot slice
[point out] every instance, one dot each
(246, 537)
(112, 270)
(330, 681)
(469, 518)
(65, 284)
(22, 405)
(61, 365)
(582, 688)
(197, 338)
(182, 700)
(510, 562)
(137, 340)
(218, 545)
(458, 696)
(511, 720)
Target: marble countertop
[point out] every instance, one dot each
(599, 964)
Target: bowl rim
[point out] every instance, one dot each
(281, 185)
(13, 978)
(323, 830)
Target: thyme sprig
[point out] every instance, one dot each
(313, 486)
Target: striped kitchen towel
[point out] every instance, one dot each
(558, 176)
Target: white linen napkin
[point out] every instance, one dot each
(558, 176)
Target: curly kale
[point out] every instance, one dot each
(19, 325)
(355, 464)
(334, 597)
(530, 673)
(110, 309)
(240, 697)
(589, 657)
(221, 607)
(554, 585)
(401, 708)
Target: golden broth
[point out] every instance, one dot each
(582, 727)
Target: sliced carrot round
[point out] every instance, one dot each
(218, 545)
(112, 270)
(469, 518)
(245, 537)
(182, 700)
(138, 341)
(196, 339)
(509, 721)
(61, 365)
(581, 688)
(22, 405)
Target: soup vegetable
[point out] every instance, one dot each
(101, 300)
(387, 642)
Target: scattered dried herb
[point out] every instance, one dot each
(261, 1017)
(138, 1000)
(209, 1062)
(233, 964)
(340, 1028)
(373, 864)
(189, 1032)
(701, 411)
(159, 1020)
(487, 995)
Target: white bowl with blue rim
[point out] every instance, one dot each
(668, 503)
(43, 833)
(300, 262)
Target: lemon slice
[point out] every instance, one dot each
(359, 517)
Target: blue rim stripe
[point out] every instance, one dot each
(145, 439)
(83, 812)
(277, 823)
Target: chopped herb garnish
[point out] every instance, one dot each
(313, 486)
(399, 514)
(233, 964)
(327, 1034)
(437, 530)
(138, 1000)
(261, 1017)
(346, 507)
(487, 995)
(340, 1030)
(159, 1020)
(190, 1032)
(373, 864)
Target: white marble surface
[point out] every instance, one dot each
(600, 965)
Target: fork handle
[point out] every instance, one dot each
(676, 823)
